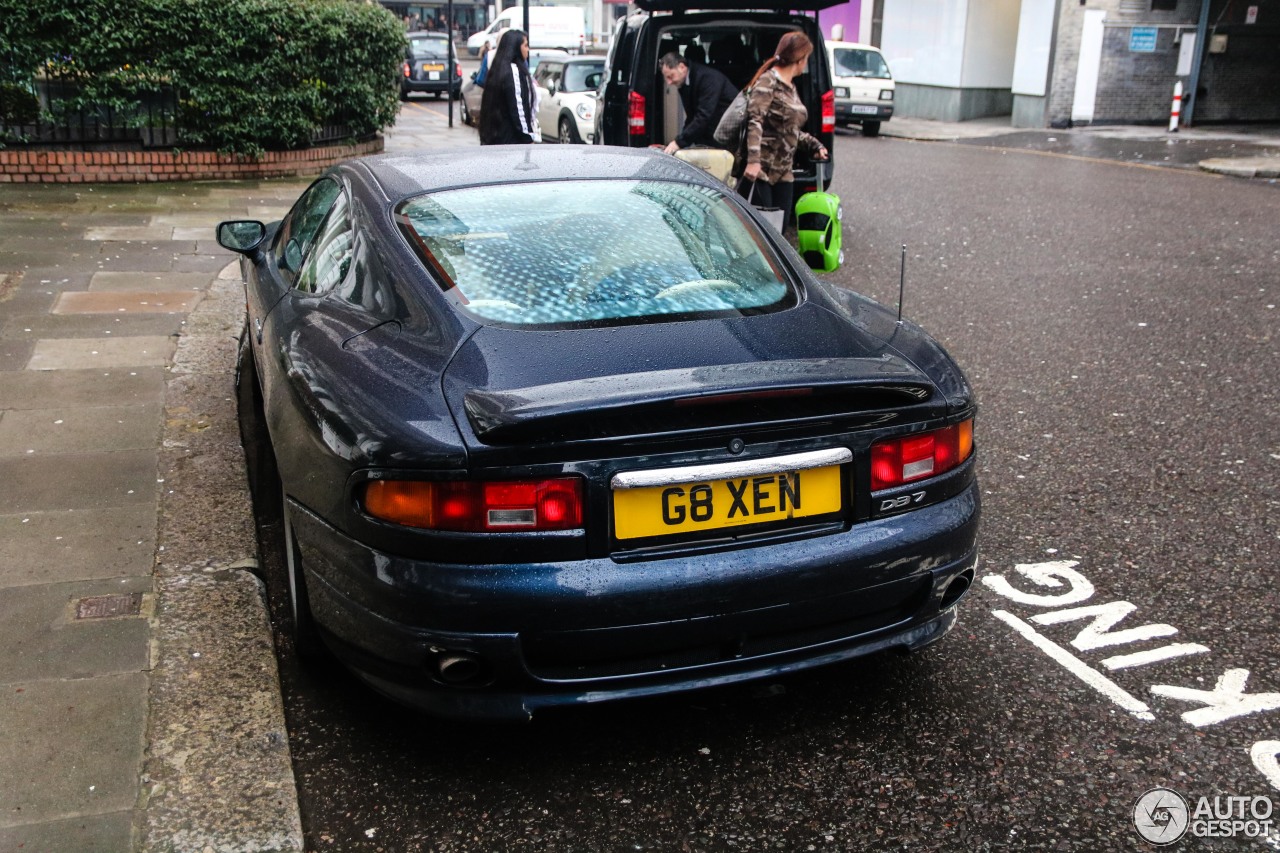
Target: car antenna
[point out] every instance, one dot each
(902, 280)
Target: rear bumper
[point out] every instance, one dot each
(430, 86)
(851, 111)
(556, 634)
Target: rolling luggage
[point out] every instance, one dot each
(818, 237)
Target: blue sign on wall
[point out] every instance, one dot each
(1142, 39)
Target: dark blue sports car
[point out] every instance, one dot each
(559, 426)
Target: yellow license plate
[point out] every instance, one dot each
(716, 504)
(433, 67)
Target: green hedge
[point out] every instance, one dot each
(249, 75)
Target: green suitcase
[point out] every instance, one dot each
(818, 238)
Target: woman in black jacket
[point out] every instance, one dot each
(509, 107)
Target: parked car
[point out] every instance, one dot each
(553, 429)
(567, 97)
(559, 27)
(863, 85)
(473, 93)
(426, 66)
(635, 106)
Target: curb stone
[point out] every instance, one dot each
(1244, 167)
(217, 776)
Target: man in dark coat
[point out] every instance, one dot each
(705, 93)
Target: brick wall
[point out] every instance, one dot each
(1132, 87)
(1239, 85)
(1135, 87)
(75, 167)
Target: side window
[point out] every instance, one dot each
(300, 227)
(329, 260)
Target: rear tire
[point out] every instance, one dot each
(871, 128)
(568, 133)
(463, 112)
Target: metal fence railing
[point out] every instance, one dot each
(56, 107)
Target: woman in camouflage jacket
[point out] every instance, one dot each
(775, 120)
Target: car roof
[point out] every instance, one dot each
(400, 176)
(425, 34)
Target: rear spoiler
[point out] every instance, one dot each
(870, 390)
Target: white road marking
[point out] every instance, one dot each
(1225, 701)
(1051, 575)
(1077, 667)
(1264, 754)
(1098, 634)
(1173, 650)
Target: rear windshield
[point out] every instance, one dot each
(429, 48)
(852, 62)
(594, 252)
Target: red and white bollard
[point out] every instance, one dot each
(1177, 107)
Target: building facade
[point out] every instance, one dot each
(1064, 62)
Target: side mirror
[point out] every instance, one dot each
(242, 235)
(593, 80)
(551, 88)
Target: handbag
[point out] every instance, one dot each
(775, 216)
(729, 131)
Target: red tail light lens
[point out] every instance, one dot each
(457, 69)
(897, 461)
(635, 114)
(407, 70)
(829, 112)
(478, 507)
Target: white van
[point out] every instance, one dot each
(562, 27)
(863, 85)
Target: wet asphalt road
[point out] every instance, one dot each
(1119, 325)
(1164, 150)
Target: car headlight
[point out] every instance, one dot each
(886, 94)
(583, 110)
(843, 92)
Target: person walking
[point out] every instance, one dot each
(509, 107)
(705, 94)
(775, 128)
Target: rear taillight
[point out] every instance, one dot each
(635, 114)
(408, 72)
(829, 112)
(901, 460)
(479, 507)
(457, 69)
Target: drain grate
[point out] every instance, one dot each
(108, 606)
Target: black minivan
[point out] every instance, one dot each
(635, 108)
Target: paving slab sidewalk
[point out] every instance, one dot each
(139, 699)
